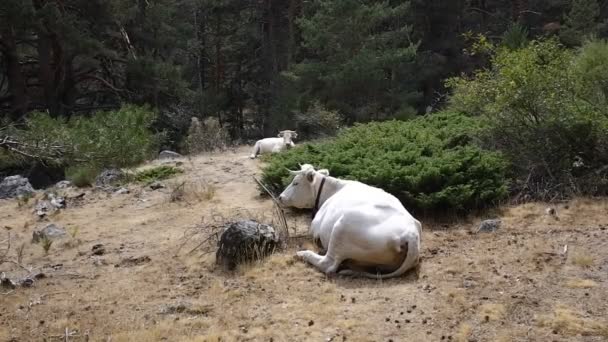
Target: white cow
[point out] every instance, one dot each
(274, 145)
(361, 227)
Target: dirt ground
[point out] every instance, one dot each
(538, 278)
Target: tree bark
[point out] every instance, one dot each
(16, 80)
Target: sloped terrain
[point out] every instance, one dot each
(538, 278)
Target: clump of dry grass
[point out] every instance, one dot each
(582, 259)
(192, 191)
(581, 283)
(492, 312)
(568, 322)
(464, 331)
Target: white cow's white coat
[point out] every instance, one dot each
(357, 223)
(274, 145)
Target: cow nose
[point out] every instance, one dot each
(281, 198)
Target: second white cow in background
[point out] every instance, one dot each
(274, 145)
(361, 227)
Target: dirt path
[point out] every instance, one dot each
(512, 285)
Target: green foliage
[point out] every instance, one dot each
(156, 174)
(515, 37)
(317, 121)
(591, 74)
(429, 163)
(82, 175)
(535, 115)
(361, 57)
(581, 22)
(105, 139)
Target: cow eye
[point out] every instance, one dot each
(295, 184)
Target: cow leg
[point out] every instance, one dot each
(325, 264)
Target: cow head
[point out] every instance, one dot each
(288, 137)
(301, 193)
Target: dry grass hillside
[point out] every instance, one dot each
(518, 284)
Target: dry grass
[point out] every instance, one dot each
(192, 191)
(492, 312)
(508, 276)
(568, 322)
(581, 283)
(582, 259)
(464, 331)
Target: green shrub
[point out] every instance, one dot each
(105, 139)
(429, 163)
(82, 175)
(317, 121)
(156, 174)
(531, 101)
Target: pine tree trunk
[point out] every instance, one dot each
(16, 80)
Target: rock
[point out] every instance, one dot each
(489, 226)
(42, 208)
(15, 186)
(51, 232)
(157, 185)
(5, 282)
(109, 177)
(26, 282)
(98, 249)
(122, 191)
(169, 155)
(57, 201)
(64, 184)
(133, 261)
(243, 241)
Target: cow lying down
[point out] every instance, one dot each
(274, 145)
(364, 230)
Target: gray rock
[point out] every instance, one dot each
(122, 191)
(15, 186)
(42, 208)
(169, 155)
(244, 241)
(109, 177)
(51, 231)
(5, 282)
(64, 184)
(156, 186)
(489, 226)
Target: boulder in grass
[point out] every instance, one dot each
(245, 241)
(15, 186)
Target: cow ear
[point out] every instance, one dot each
(310, 175)
(324, 172)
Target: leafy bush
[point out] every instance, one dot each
(317, 121)
(531, 104)
(156, 174)
(82, 176)
(105, 139)
(429, 163)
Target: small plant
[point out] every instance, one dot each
(46, 243)
(156, 174)
(24, 199)
(582, 259)
(186, 191)
(82, 175)
(74, 232)
(20, 252)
